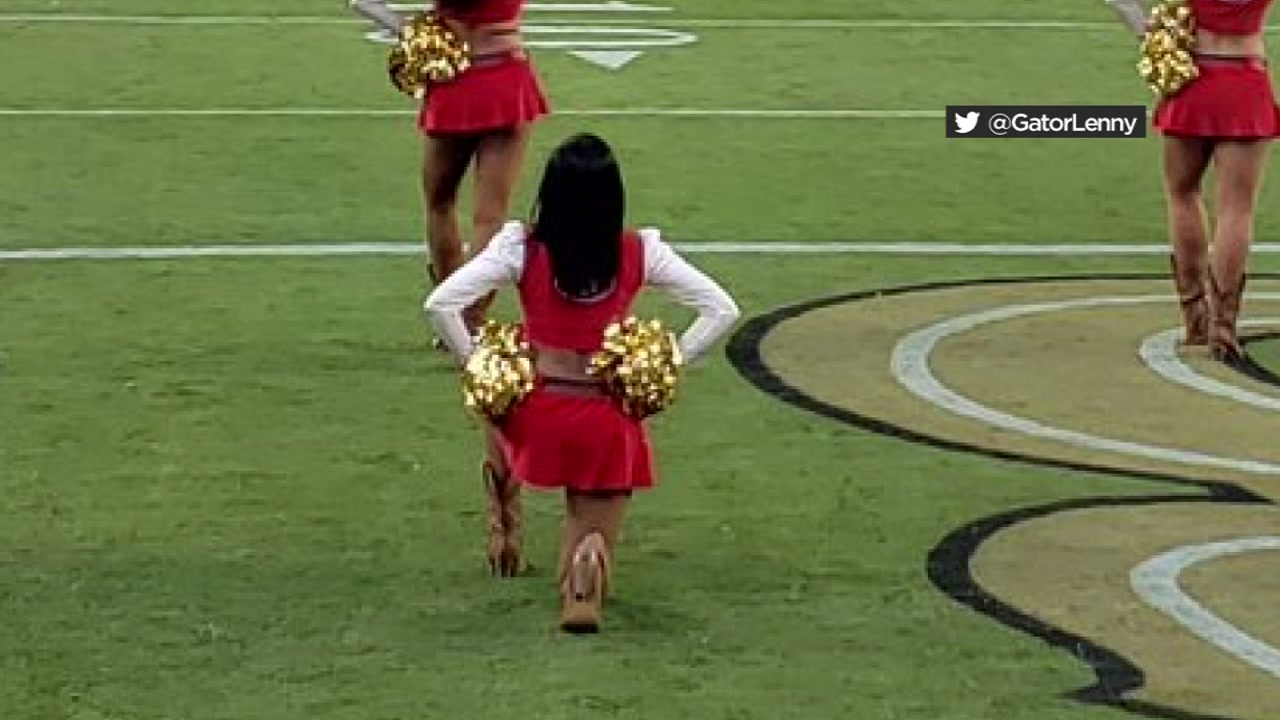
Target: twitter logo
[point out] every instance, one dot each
(966, 123)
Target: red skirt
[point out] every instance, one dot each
(489, 96)
(556, 439)
(1230, 99)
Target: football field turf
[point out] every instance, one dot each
(244, 487)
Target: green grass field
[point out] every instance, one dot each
(245, 488)
(1267, 353)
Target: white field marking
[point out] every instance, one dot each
(623, 37)
(614, 6)
(608, 59)
(706, 248)
(911, 367)
(758, 113)
(698, 248)
(230, 251)
(1156, 582)
(1160, 353)
(708, 23)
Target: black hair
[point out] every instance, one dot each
(579, 216)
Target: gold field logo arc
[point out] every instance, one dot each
(1083, 374)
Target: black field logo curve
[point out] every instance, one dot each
(1164, 595)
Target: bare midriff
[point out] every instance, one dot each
(563, 365)
(493, 39)
(1211, 43)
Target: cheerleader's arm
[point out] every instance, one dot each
(1131, 13)
(665, 270)
(500, 263)
(378, 12)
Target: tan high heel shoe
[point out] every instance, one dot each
(505, 523)
(585, 586)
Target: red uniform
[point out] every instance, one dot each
(485, 12)
(495, 92)
(1232, 97)
(576, 437)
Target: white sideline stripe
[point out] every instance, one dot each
(1160, 353)
(911, 367)
(616, 6)
(722, 23)
(1156, 582)
(359, 112)
(705, 248)
(231, 251)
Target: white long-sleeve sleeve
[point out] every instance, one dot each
(378, 12)
(1131, 13)
(502, 262)
(666, 271)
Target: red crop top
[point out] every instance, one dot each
(551, 320)
(483, 12)
(1230, 17)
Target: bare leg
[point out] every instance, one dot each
(1240, 167)
(593, 524)
(1185, 162)
(499, 158)
(445, 162)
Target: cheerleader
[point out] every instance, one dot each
(577, 269)
(1225, 117)
(484, 116)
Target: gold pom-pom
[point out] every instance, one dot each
(427, 52)
(1167, 63)
(500, 373)
(640, 365)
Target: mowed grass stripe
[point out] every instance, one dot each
(250, 250)
(841, 73)
(260, 474)
(537, 20)
(210, 181)
(230, 479)
(654, 112)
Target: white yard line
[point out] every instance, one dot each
(760, 113)
(708, 23)
(704, 248)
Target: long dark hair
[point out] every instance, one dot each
(579, 216)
